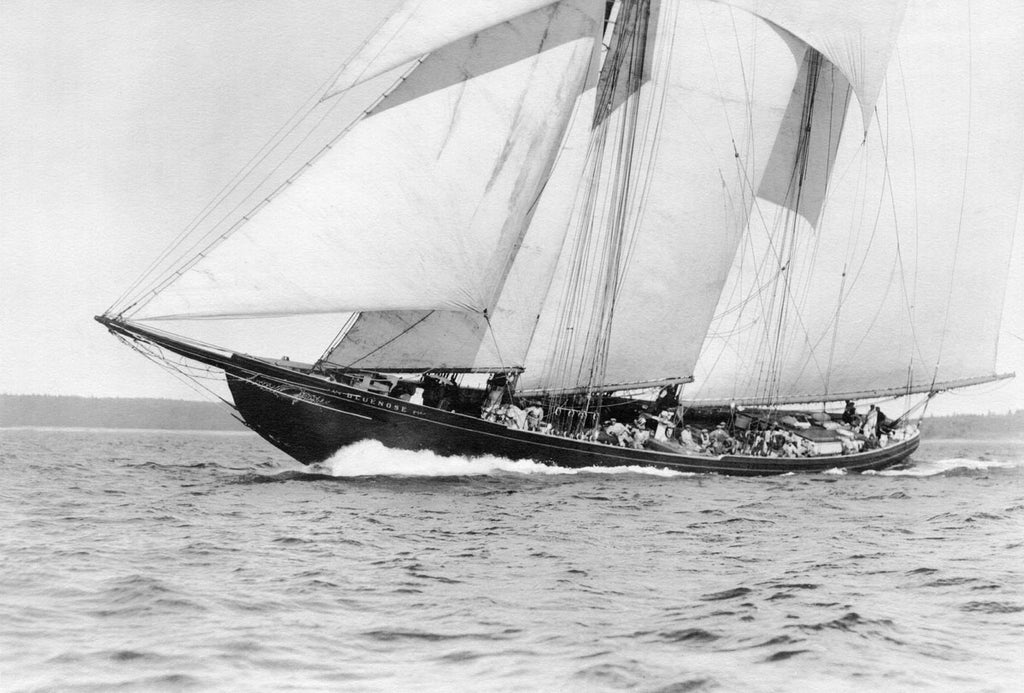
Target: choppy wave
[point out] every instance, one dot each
(371, 458)
(148, 562)
(945, 466)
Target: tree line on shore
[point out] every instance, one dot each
(1008, 425)
(103, 412)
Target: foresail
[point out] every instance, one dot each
(901, 286)
(422, 205)
(459, 341)
(857, 37)
(683, 151)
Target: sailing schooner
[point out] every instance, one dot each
(589, 203)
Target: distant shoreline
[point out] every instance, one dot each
(59, 411)
(146, 414)
(974, 426)
(120, 429)
(1010, 438)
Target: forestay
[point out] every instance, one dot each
(423, 203)
(901, 287)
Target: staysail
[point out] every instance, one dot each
(424, 202)
(900, 288)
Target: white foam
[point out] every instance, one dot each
(942, 466)
(371, 458)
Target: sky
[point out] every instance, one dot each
(120, 119)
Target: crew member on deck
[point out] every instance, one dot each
(668, 398)
(882, 425)
(640, 437)
(403, 390)
(720, 440)
(512, 416)
(440, 391)
(618, 432)
(870, 428)
(534, 416)
(496, 386)
(850, 413)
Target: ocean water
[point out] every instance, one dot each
(167, 561)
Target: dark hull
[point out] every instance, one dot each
(311, 418)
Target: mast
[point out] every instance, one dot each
(643, 264)
(498, 340)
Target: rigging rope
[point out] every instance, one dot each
(336, 341)
(207, 240)
(232, 185)
(963, 195)
(599, 251)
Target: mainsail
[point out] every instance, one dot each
(900, 288)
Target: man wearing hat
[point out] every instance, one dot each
(720, 440)
(850, 413)
(618, 432)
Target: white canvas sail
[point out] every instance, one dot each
(419, 27)
(857, 37)
(704, 130)
(459, 341)
(423, 203)
(901, 286)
